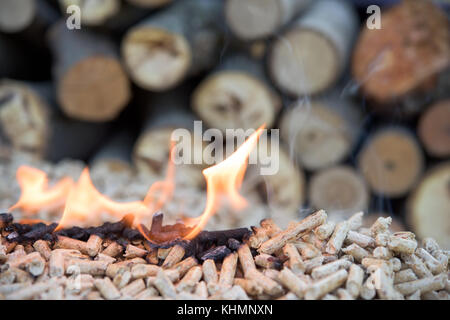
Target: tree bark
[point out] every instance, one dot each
(182, 40)
(91, 83)
(313, 53)
(391, 161)
(237, 95)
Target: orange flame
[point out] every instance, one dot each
(83, 202)
(36, 195)
(225, 178)
(86, 203)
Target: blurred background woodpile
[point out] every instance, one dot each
(364, 114)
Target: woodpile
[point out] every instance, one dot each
(311, 260)
(363, 119)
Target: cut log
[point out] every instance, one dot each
(31, 122)
(92, 85)
(339, 190)
(391, 161)
(93, 12)
(429, 206)
(254, 19)
(434, 129)
(166, 112)
(16, 16)
(24, 117)
(412, 46)
(182, 40)
(312, 54)
(321, 133)
(236, 95)
(284, 191)
(149, 3)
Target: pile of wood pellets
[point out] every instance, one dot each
(312, 259)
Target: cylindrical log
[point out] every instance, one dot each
(312, 54)
(283, 191)
(94, 12)
(31, 121)
(237, 95)
(338, 190)
(92, 85)
(253, 19)
(321, 133)
(428, 206)
(434, 129)
(391, 161)
(182, 40)
(16, 15)
(165, 113)
(412, 46)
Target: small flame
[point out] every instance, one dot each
(225, 178)
(86, 203)
(36, 195)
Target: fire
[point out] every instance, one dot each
(83, 202)
(86, 203)
(36, 195)
(226, 178)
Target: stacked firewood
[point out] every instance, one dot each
(311, 259)
(363, 113)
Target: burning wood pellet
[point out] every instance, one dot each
(311, 259)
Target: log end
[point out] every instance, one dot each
(253, 19)
(231, 99)
(412, 46)
(429, 206)
(95, 89)
(24, 117)
(339, 189)
(434, 129)
(391, 162)
(319, 136)
(304, 62)
(156, 59)
(15, 15)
